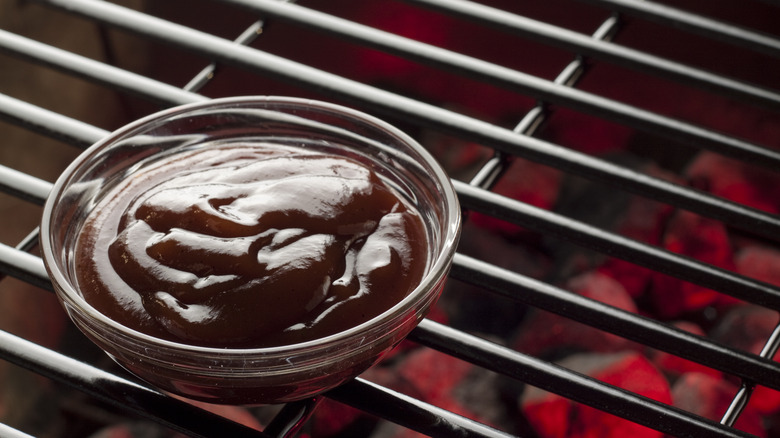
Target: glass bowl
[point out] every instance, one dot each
(252, 375)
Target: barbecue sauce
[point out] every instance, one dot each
(247, 246)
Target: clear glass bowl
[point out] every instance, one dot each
(259, 375)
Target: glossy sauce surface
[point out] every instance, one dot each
(250, 246)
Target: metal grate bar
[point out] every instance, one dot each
(489, 173)
(30, 241)
(118, 391)
(737, 405)
(731, 213)
(662, 337)
(24, 266)
(602, 50)
(525, 83)
(741, 398)
(615, 245)
(694, 23)
(292, 417)
(48, 123)
(408, 411)
(553, 378)
(83, 67)
(208, 72)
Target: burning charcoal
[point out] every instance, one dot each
(437, 314)
(600, 287)
(736, 181)
(544, 333)
(587, 133)
(554, 416)
(709, 397)
(26, 398)
(623, 213)
(634, 278)
(548, 413)
(643, 220)
(432, 85)
(591, 203)
(525, 181)
(333, 419)
(442, 381)
(674, 366)
(469, 307)
(703, 239)
(747, 328)
(759, 262)
(765, 400)
(434, 376)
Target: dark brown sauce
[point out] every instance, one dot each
(250, 246)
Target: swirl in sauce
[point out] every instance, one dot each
(250, 246)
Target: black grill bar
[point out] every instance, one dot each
(23, 186)
(733, 214)
(406, 410)
(746, 389)
(717, 30)
(530, 85)
(737, 405)
(615, 245)
(660, 336)
(118, 391)
(561, 381)
(566, 39)
(30, 241)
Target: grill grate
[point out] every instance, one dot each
(523, 140)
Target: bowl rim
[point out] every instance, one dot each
(68, 293)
